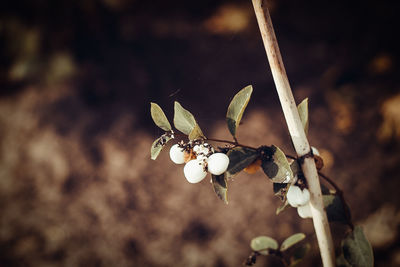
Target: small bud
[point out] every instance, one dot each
(194, 171)
(297, 197)
(218, 163)
(176, 154)
(304, 211)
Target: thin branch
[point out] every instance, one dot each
(297, 133)
(331, 182)
(235, 143)
(229, 142)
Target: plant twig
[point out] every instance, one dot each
(331, 182)
(296, 131)
(235, 143)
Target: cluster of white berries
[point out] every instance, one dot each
(199, 159)
(299, 198)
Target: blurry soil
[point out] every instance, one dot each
(77, 186)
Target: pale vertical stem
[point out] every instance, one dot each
(296, 131)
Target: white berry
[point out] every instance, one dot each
(304, 211)
(176, 154)
(194, 171)
(297, 197)
(203, 149)
(218, 163)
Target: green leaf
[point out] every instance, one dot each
(357, 250)
(298, 254)
(292, 240)
(282, 207)
(280, 190)
(334, 208)
(237, 107)
(325, 190)
(240, 158)
(158, 145)
(295, 167)
(185, 122)
(276, 166)
(303, 113)
(196, 133)
(159, 117)
(220, 186)
(263, 244)
(341, 261)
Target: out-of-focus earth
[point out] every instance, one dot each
(77, 185)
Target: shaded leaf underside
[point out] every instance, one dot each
(220, 187)
(240, 158)
(357, 250)
(334, 208)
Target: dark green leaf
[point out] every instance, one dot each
(185, 122)
(292, 240)
(295, 167)
(298, 254)
(303, 113)
(220, 186)
(325, 190)
(240, 158)
(262, 244)
(159, 117)
(237, 107)
(276, 165)
(357, 250)
(341, 261)
(158, 145)
(334, 208)
(280, 190)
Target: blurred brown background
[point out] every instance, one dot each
(77, 186)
